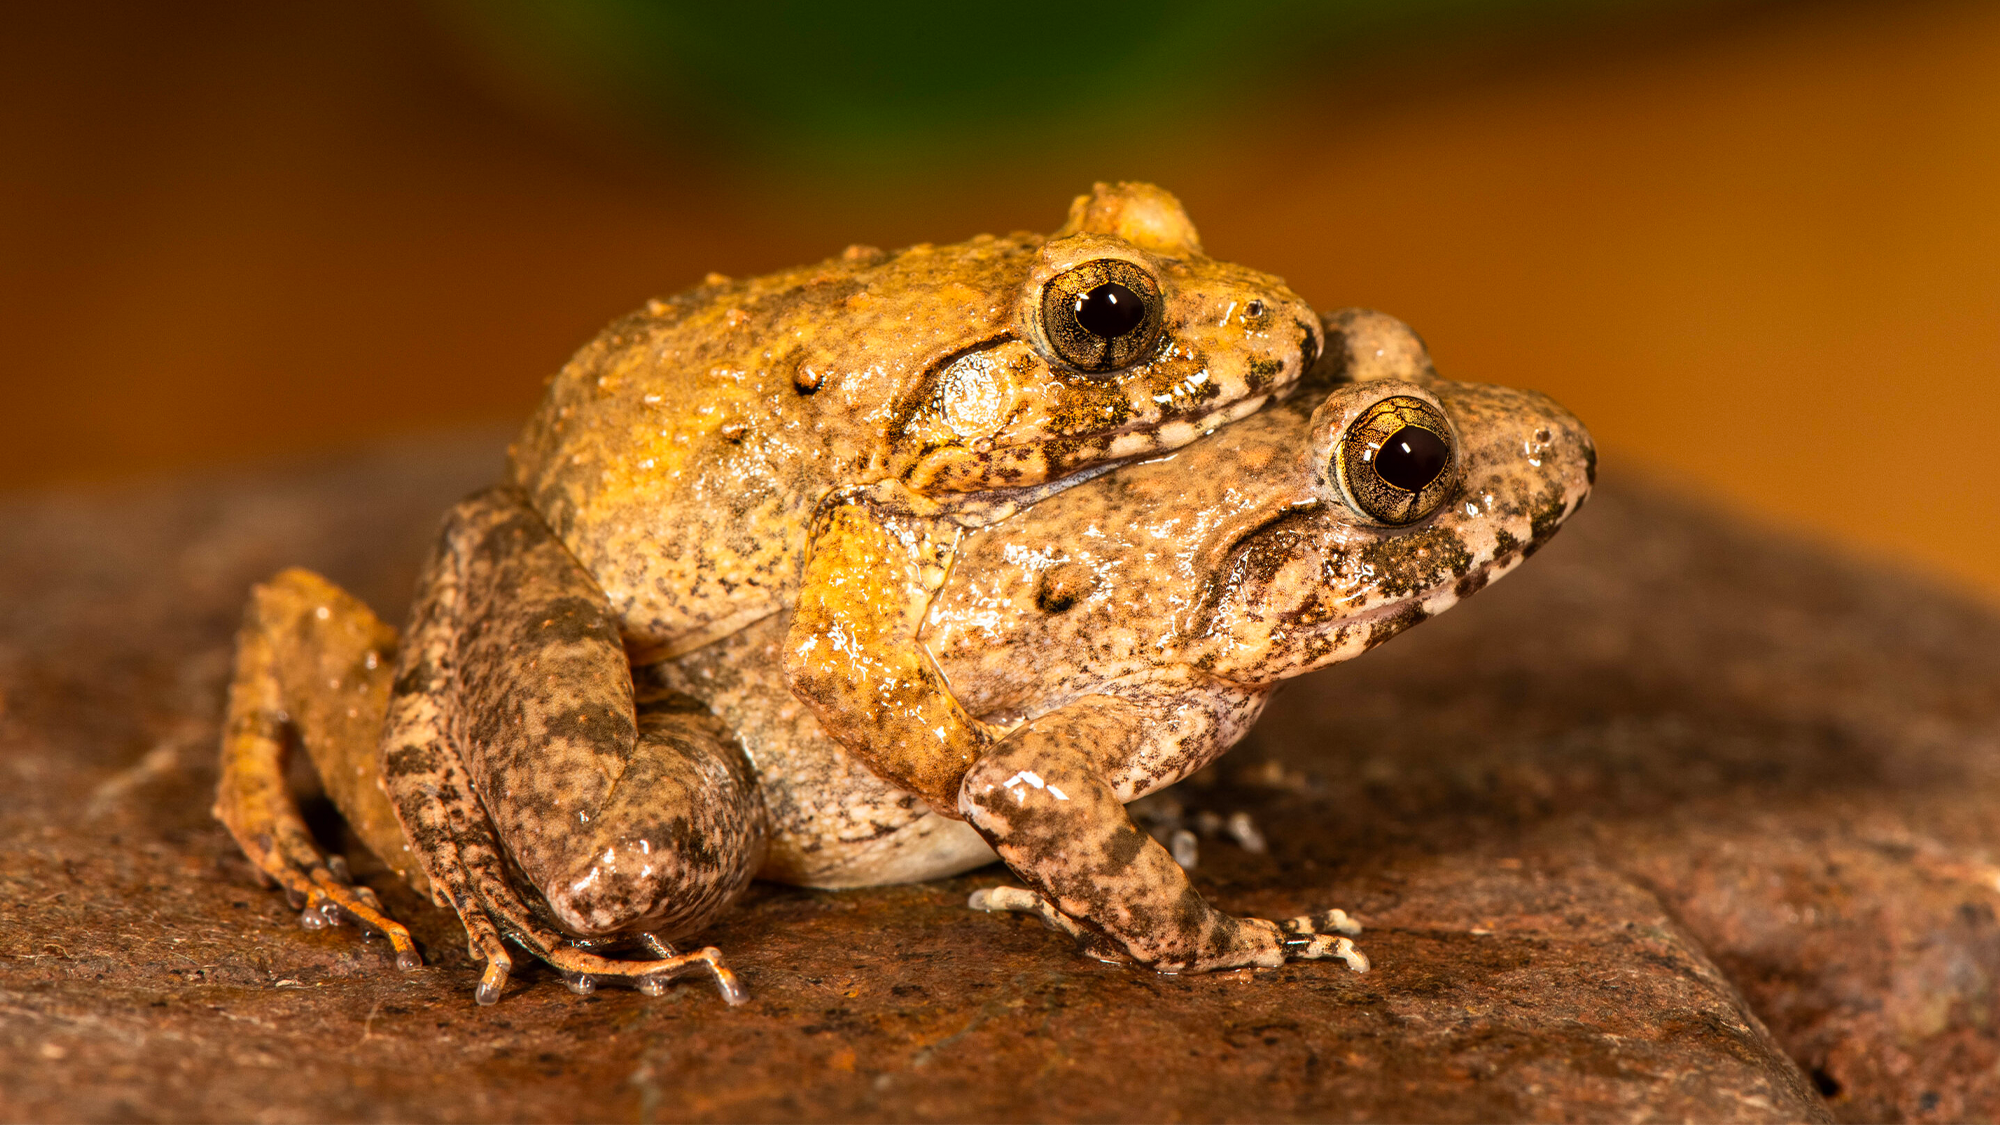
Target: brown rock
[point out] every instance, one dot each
(1671, 765)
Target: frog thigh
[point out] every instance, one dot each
(514, 731)
(853, 657)
(1045, 799)
(315, 658)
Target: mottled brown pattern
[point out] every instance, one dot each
(1238, 555)
(1218, 572)
(928, 370)
(832, 821)
(1042, 798)
(620, 818)
(1193, 584)
(547, 795)
(690, 456)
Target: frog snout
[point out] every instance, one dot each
(1526, 458)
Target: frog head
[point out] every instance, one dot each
(1306, 534)
(1421, 491)
(1123, 340)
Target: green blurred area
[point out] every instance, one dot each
(799, 78)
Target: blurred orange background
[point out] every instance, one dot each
(1755, 246)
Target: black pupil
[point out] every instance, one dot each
(1412, 458)
(1109, 311)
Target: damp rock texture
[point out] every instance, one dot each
(1683, 821)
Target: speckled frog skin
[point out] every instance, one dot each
(1129, 631)
(814, 441)
(754, 446)
(1115, 637)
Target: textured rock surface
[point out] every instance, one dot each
(1673, 774)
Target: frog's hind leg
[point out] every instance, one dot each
(687, 769)
(518, 753)
(313, 658)
(457, 843)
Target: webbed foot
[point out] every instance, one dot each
(326, 896)
(320, 888)
(583, 971)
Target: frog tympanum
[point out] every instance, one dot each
(573, 752)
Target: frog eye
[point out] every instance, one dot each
(1102, 315)
(1397, 461)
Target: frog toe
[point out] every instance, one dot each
(492, 982)
(1323, 936)
(582, 968)
(585, 971)
(1019, 900)
(323, 899)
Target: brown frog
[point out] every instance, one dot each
(1118, 635)
(813, 441)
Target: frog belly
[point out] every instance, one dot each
(830, 822)
(929, 847)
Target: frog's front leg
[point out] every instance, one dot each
(515, 743)
(853, 657)
(1045, 799)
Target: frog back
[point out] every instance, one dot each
(680, 454)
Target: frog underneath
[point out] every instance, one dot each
(1119, 634)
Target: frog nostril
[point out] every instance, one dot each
(1412, 458)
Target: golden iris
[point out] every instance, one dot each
(1102, 315)
(1398, 461)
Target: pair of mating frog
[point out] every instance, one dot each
(867, 571)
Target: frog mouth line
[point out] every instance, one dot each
(1491, 560)
(994, 504)
(923, 392)
(1363, 630)
(1151, 448)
